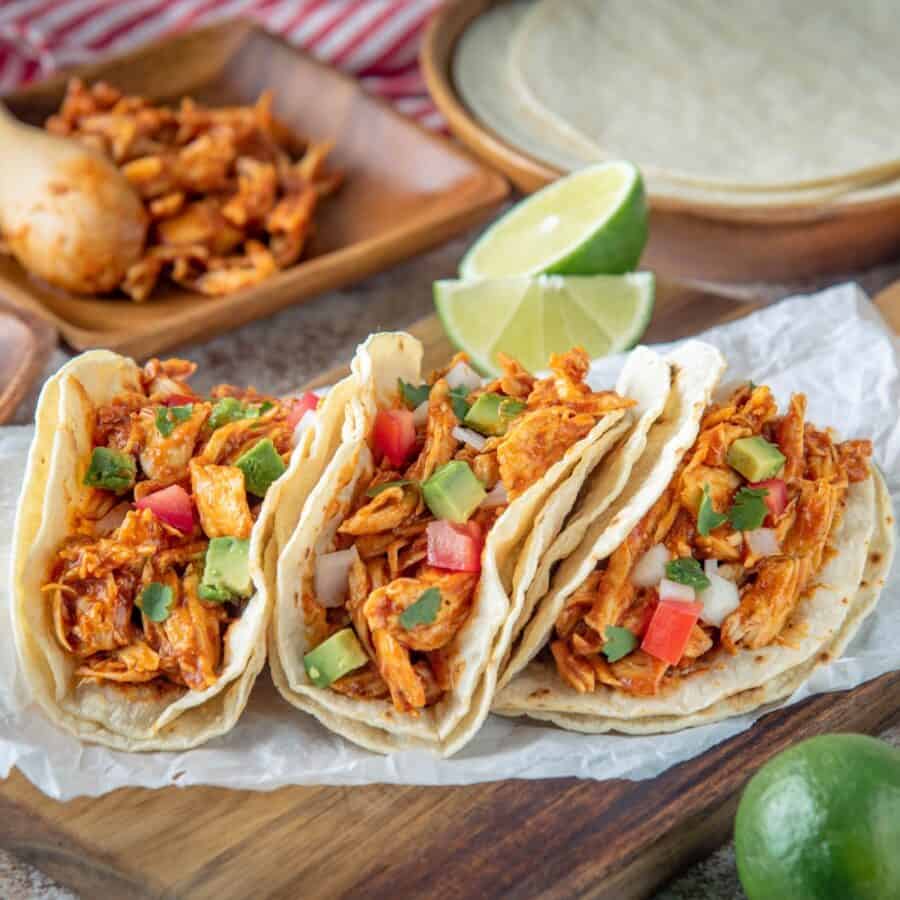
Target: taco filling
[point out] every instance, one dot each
(721, 560)
(155, 568)
(398, 581)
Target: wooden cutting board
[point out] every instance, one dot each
(553, 838)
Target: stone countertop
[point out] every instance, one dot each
(282, 352)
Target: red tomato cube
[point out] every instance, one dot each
(300, 406)
(670, 628)
(452, 546)
(171, 505)
(776, 499)
(395, 435)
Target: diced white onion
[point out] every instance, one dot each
(420, 414)
(763, 542)
(710, 566)
(719, 600)
(496, 496)
(332, 576)
(651, 567)
(307, 420)
(462, 375)
(672, 590)
(467, 436)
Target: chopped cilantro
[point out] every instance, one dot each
(168, 417)
(424, 611)
(230, 409)
(707, 517)
(687, 571)
(749, 509)
(458, 401)
(413, 395)
(111, 470)
(619, 642)
(376, 489)
(510, 408)
(752, 385)
(155, 601)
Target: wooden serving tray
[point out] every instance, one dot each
(406, 188)
(553, 838)
(687, 239)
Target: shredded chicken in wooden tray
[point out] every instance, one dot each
(230, 192)
(156, 567)
(747, 519)
(454, 453)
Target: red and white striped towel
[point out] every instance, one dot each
(376, 40)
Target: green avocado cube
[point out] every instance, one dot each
(334, 658)
(261, 465)
(111, 470)
(755, 458)
(453, 492)
(491, 413)
(226, 575)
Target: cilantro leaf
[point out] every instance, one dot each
(687, 571)
(376, 489)
(749, 509)
(155, 601)
(510, 408)
(413, 395)
(168, 417)
(458, 401)
(707, 517)
(424, 611)
(619, 642)
(751, 385)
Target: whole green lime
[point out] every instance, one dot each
(822, 820)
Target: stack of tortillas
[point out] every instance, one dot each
(731, 104)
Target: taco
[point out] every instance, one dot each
(400, 590)
(728, 577)
(140, 600)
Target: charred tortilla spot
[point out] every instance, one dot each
(540, 692)
(875, 558)
(825, 656)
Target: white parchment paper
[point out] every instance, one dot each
(832, 345)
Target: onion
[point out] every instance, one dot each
(672, 590)
(710, 567)
(307, 420)
(651, 567)
(462, 375)
(420, 414)
(467, 436)
(496, 496)
(332, 576)
(719, 600)
(763, 542)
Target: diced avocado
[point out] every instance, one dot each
(453, 492)
(261, 465)
(111, 470)
(755, 458)
(334, 658)
(226, 575)
(226, 410)
(492, 413)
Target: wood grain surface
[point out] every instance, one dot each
(26, 341)
(553, 838)
(688, 239)
(406, 189)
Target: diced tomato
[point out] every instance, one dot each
(395, 435)
(171, 505)
(452, 546)
(300, 406)
(776, 498)
(670, 629)
(178, 400)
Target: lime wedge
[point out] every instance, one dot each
(531, 317)
(592, 222)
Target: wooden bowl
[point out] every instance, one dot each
(688, 239)
(407, 189)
